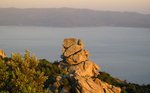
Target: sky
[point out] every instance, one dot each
(142, 6)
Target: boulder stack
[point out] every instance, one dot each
(77, 57)
(83, 72)
(73, 52)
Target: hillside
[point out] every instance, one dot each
(75, 73)
(69, 17)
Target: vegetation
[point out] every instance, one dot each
(27, 74)
(20, 74)
(125, 87)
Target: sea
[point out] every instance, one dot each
(122, 52)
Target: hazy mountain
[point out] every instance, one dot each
(69, 17)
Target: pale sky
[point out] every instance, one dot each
(142, 6)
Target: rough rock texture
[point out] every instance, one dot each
(2, 53)
(87, 68)
(73, 51)
(106, 87)
(87, 85)
(81, 72)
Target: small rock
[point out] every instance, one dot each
(58, 78)
(2, 53)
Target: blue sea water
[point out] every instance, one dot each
(122, 52)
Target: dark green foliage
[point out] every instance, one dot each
(4, 75)
(125, 87)
(50, 70)
(107, 78)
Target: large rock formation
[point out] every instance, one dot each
(82, 72)
(2, 53)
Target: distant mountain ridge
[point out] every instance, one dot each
(70, 17)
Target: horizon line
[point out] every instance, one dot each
(75, 8)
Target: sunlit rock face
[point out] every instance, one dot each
(81, 72)
(73, 51)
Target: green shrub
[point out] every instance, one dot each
(21, 75)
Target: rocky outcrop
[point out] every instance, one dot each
(2, 53)
(86, 85)
(87, 68)
(73, 52)
(81, 72)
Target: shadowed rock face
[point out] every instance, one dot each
(2, 53)
(81, 71)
